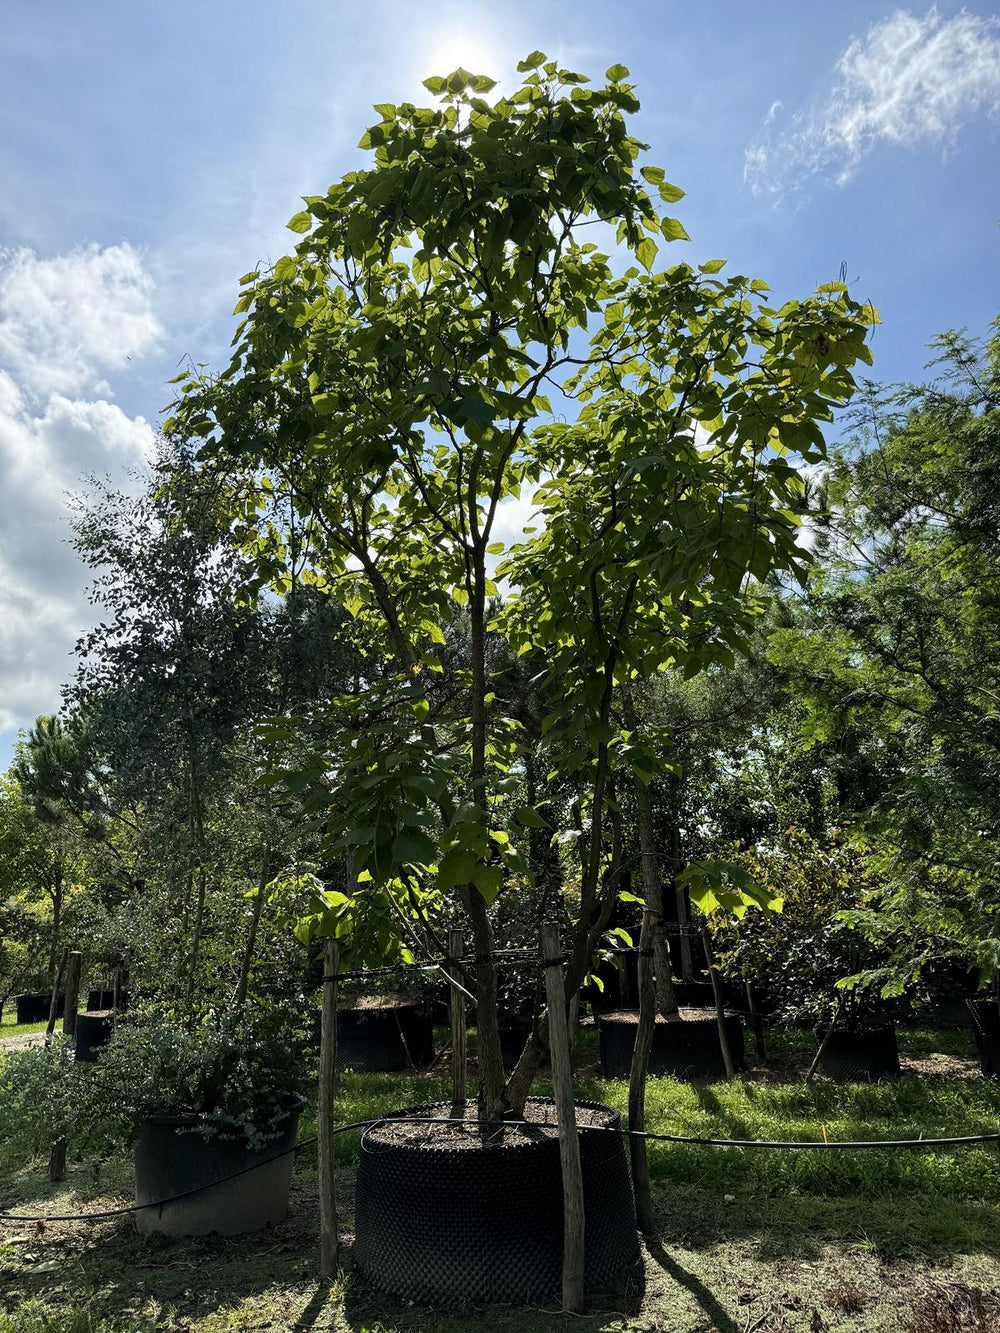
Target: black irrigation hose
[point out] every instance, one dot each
(793, 1144)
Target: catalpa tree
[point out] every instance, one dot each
(447, 336)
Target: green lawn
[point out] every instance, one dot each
(804, 1242)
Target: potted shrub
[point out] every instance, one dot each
(202, 1103)
(810, 963)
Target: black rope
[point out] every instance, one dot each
(800, 1145)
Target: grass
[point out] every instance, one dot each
(780, 1242)
(9, 1027)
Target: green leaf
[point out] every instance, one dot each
(712, 266)
(529, 817)
(617, 72)
(488, 880)
(645, 252)
(670, 193)
(654, 175)
(456, 867)
(531, 62)
(673, 230)
(300, 222)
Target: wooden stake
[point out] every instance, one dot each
(456, 1004)
(70, 973)
(74, 967)
(54, 1002)
(720, 1008)
(637, 1079)
(325, 1126)
(569, 1142)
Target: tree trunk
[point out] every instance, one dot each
(569, 1141)
(489, 1053)
(325, 1119)
(637, 1079)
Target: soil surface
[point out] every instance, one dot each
(687, 1015)
(368, 1002)
(460, 1128)
(22, 1042)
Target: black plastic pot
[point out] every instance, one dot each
(93, 1031)
(105, 999)
(445, 1225)
(384, 1038)
(985, 1016)
(620, 981)
(860, 1057)
(171, 1157)
(689, 1049)
(513, 1034)
(35, 1008)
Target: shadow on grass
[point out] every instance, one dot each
(694, 1285)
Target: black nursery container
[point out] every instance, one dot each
(35, 1008)
(513, 1034)
(447, 1225)
(172, 1158)
(689, 1049)
(860, 1057)
(105, 999)
(381, 1038)
(93, 1032)
(985, 1016)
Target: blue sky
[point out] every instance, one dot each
(150, 154)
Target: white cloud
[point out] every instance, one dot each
(911, 81)
(66, 321)
(63, 323)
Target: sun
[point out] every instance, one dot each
(470, 47)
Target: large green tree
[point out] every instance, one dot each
(898, 658)
(448, 333)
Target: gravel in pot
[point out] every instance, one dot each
(689, 1049)
(443, 1218)
(860, 1056)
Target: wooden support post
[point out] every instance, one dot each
(57, 981)
(456, 1008)
(637, 1078)
(325, 1125)
(70, 972)
(720, 1008)
(569, 1143)
(74, 967)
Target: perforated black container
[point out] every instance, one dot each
(860, 1057)
(449, 1226)
(688, 1049)
(383, 1039)
(985, 1016)
(35, 1008)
